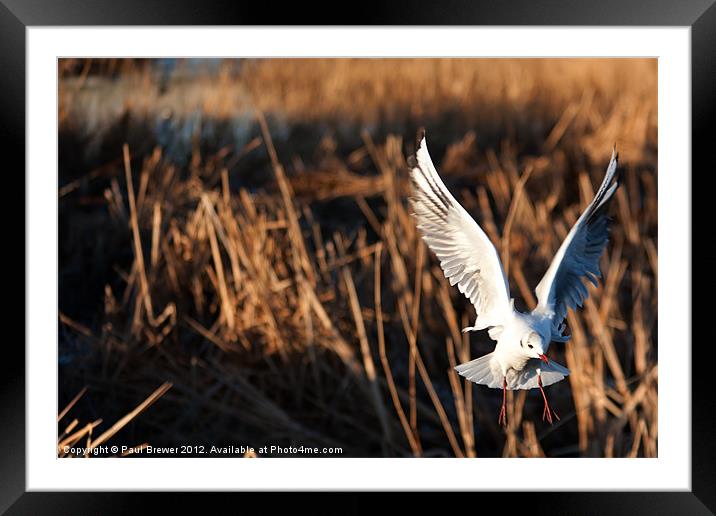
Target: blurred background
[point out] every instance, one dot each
(238, 265)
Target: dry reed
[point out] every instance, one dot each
(296, 302)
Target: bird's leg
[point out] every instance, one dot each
(547, 411)
(502, 419)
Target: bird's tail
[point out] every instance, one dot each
(483, 370)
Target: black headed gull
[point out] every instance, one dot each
(470, 261)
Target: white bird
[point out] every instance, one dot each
(469, 260)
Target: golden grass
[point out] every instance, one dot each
(66, 440)
(284, 289)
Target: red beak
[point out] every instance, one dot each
(544, 359)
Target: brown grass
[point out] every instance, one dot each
(67, 441)
(256, 250)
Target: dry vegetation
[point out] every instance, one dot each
(244, 234)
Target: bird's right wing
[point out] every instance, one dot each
(466, 255)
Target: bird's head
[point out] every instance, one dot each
(534, 346)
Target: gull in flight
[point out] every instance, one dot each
(469, 260)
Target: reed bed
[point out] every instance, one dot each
(245, 235)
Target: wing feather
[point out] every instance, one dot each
(467, 257)
(561, 287)
(527, 377)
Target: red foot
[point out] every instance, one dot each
(502, 419)
(547, 411)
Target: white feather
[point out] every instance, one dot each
(527, 377)
(578, 257)
(470, 261)
(467, 257)
(483, 371)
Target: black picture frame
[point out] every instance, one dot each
(17, 15)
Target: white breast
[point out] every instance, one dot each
(508, 350)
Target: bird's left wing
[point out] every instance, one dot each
(578, 256)
(466, 254)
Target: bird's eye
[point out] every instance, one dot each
(530, 346)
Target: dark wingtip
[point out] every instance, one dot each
(420, 137)
(413, 160)
(618, 172)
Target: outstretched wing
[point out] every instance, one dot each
(578, 256)
(466, 255)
